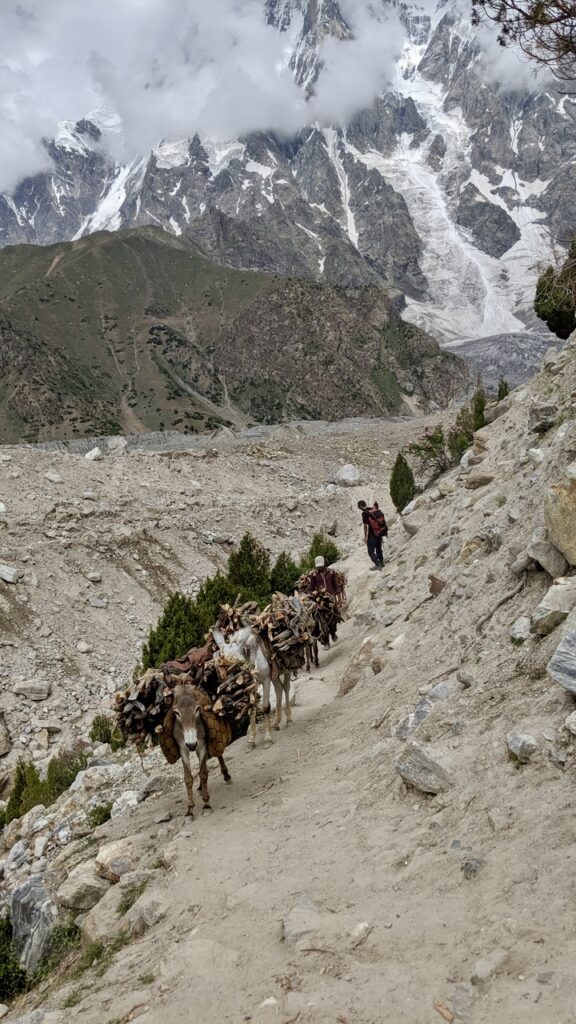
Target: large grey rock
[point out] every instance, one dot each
(560, 514)
(348, 475)
(520, 629)
(83, 888)
(542, 416)
(5, 738)
(94, 455)
(562, 665)
(9, 574)
(34, 689)
(33, 916)
(521, 746)
(554, 607)
(545, 554)
(479, 478)
(421, 770)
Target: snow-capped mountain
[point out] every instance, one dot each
(448, 189)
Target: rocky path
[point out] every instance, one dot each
(404, 852)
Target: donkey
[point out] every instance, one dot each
(193, 727)
(246, 644)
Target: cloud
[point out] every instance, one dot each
(170, 68)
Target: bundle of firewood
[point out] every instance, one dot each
(238, 691)
(283, 629)
(325, 613)
(142, 709)
(233, 617)
(308, 583)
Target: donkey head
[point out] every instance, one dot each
(187, 716)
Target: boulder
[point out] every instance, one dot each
(9, 574)
(94, 455)
(554, 607)
(535, 456)
(570, 723)
(117, 444)
(545, 554)
(33, 916)
(542, 417)
(117, 859)
(125, 802)
(421, 770)
(83, 888)
(147, 911)
(560, 514)
(5, 738)
(479, 478)
(521, 746)
(103, 921)
(358, 668)
(34, 689)
(521, 563)
(562, 665)
(520, 629)
(348, 476)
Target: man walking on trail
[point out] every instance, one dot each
(375, 529)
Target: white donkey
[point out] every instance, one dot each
(246, 644)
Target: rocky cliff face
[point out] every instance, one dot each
(448, 189)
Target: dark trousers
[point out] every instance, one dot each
(375, 549)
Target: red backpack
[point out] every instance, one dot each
(377, 522)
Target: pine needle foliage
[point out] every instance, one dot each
(503, 389)
(402, 483)
(321, 545)
(284, 574)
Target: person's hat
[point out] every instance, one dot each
(319, 562)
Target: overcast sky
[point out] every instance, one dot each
(171, 68)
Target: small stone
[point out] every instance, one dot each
(3, 1010)
(53, 476)
(488, 966)
(570, 723)
(397, 642)
(535, 456)
(520, 629)
(554, 607)
(116, 859)
(83, 647)
(521, 564)
(542, 416)
(521, 746)
(9, 574)
(465, 678)
(35, 689)
(421, 770)
(94, 577)
(437, 584)
(126, 802)
(471, 867)
(479, 478)
(301, 922)
(545, 554)
(560, 514)
(94, 455)
(83, 888)
(562, 665)
(163, 817)
(97, 601)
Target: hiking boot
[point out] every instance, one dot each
(374, 568)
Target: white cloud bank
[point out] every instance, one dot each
(170, 68)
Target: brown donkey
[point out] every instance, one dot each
(191, 726)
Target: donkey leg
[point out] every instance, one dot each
(287, 707)
(204, 782)
(278, 690)
(225, 773)
(266, 710)
(188, 782)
